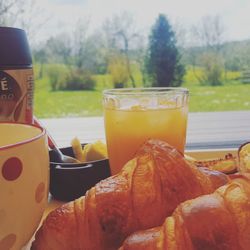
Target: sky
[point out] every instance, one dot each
(63, 14)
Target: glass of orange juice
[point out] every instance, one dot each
(133, 115)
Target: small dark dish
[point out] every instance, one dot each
(69, 181)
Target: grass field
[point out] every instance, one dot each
(233, 95)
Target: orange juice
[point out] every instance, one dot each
(126, 130)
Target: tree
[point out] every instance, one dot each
(163, 59)
(209, 35)
(121, 38)
(59, 49)
(78, 51)
(40, 56)
(85, 48)
(24, 14)
(8, 12)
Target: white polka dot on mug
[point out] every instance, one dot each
(24, 177)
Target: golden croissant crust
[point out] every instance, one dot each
(141, 196)
(218, 221)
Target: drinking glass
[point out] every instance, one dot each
(133, 115)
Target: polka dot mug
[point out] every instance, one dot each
(24, 175)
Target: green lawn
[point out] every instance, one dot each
(221, 98)
(231, 96)
(65, 103)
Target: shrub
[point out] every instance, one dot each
(79, 81)
(213, 70)
(57, 75)
(118, 71)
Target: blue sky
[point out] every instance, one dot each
(235, 14)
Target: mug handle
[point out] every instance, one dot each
(51, 142)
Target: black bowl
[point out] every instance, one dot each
(69, 181)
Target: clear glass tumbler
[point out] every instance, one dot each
(133, 115)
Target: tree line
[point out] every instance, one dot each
(115, 49)
(161, 55)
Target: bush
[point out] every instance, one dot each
(213, 70)
(79, 81)
(118, 70)
(57, 75)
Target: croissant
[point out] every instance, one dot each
(218, 221)
(149, 188)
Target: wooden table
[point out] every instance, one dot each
(210, 130)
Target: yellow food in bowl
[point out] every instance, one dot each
(91, 151)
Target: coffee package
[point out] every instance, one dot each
(16, 76)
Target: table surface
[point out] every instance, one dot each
(205, 130)
(208, 134)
